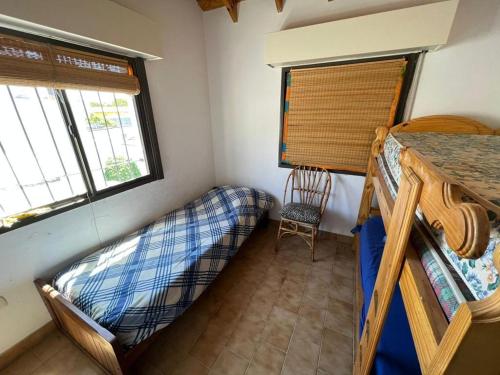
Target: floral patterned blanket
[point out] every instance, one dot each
(472, 169)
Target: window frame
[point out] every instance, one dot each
(412, 60)
(147, 128)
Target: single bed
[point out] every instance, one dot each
(114, 300)
(446, 295)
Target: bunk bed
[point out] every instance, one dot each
(114, 302)
(437, 184)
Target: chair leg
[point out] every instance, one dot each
(276, 244)
(313, 241)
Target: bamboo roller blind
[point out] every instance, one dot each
(26, 62)
(331, 113)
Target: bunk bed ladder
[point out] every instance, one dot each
(390, 269)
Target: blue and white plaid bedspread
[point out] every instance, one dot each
(142, 282)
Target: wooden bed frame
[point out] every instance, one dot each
(97, 342)
(469, 342)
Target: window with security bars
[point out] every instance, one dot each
(110, 134)
(330, 112)
(65, 142)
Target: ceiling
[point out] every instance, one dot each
(231, 6)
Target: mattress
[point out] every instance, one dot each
(395, 351)
(142, 282)
(454, 279)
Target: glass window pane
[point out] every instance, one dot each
(37, 163)
(109, 129)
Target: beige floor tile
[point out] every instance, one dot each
(315, 303)
(293, 284)
(301, 358)
(185, 333)
(260, 305)
(336, 353)
(283, 317)
(318, 287)
(278, 335)
(324, 274)
(25, 364)
(246, 336)
(162, 356)
(312, 314)
(267, 360)
(343, 269)
(71, 361)
(342, 288)
(208, 303)
(191, 366)
(211, 343)
(309, 331)
(316, 299)
(54, 342)
(255, 369)
(273, 280)
(298, 268)
(323, 372)
(324, 254)
(229, 363)
(227, 316)
(339, 317)
(289, 301)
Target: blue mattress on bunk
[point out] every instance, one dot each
(396, 351)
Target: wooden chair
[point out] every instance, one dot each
(308, 189)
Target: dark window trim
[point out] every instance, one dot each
(148, 131)
(411, 58)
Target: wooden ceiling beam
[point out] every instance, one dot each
(210, 4)
(279, 5)
(230, 5)
(232, 8)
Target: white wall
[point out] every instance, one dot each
(464, 77)
(179, 92)
(461, 78)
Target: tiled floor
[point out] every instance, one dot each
(267, 313)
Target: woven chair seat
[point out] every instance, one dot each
(304, 213)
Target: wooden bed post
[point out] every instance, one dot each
(390, 269)
(98, 342)
(368, 189)
(469, 342)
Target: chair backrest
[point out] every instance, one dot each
(309, 185)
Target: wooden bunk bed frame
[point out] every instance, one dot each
(469, 342)
(97, 342)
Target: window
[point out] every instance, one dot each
(330, 111)
(70, 140)
(109, 131)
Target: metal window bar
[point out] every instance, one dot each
(54, 141)
(15, 175)
(29, 142)
(72, 129)
(93, 137)
(142, 131)
(121, 128)
(106, 126)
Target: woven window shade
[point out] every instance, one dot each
(331, 113)
(29, 63)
